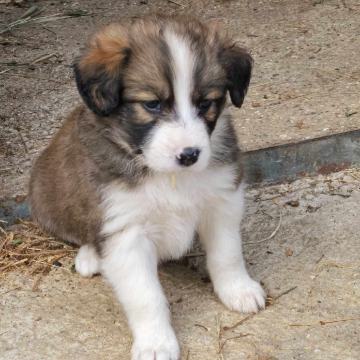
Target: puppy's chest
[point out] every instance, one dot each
(175, 215)
(168, 208)
(163, 200)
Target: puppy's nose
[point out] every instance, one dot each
(189, 156)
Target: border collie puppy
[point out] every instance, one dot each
(149, 160)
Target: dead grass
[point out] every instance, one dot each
(30, 17)
(24, 247)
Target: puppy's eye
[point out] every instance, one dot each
(204, 106)
(153, 106)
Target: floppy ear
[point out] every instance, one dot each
(98, 71)
(237, 63)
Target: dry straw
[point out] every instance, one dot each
(25, 247)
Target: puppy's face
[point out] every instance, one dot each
(162, 84)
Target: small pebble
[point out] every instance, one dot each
(293, 203)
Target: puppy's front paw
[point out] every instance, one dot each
(242, 295)
(158, 344)
(87, 262)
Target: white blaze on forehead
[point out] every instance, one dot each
(183, 62)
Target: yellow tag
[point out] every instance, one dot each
(173, 181)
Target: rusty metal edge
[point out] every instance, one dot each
(289, 162)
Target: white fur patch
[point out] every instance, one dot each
(183, 67)
(186, 129)
(168, 216)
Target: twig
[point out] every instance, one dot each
(320, 258)
(43, 58)
(232, 338)
(285, 293)
(4, 71)
(324, 322)
(31, 12)
(219, 336)
(14, 64)
(202, 326)
(41, 19)
(7, 291)
(26, 76)
(175, 2)
(13, 264)
(270, 300)
(51, 252)
(232, 327)
(271, 235)
(50, 31)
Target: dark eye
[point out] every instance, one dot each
(204, 106)
(153, 106)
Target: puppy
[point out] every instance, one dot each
(150, 159)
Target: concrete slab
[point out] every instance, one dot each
(305, 83)
(314, 253)
(305, 55)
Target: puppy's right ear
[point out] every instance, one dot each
(99, 70)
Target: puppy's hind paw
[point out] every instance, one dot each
(87, 262)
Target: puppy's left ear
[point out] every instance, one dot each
(99, 71)
(237, 63)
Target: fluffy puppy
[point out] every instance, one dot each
(150, 160)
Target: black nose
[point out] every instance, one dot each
(189, 156)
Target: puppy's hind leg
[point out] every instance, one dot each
(87, 262)
(129, 263)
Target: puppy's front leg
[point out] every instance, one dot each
(129, 263)
(220, 233)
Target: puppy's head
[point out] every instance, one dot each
(162, 83)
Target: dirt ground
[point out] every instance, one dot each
(305, 83)
(310, 267)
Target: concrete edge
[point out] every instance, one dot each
(289, 162)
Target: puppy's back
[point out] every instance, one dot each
(62, 195)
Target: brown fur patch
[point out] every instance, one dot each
(106, 50)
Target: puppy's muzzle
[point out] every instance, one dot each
(189, 156)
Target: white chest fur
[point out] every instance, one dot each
(167, 207)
